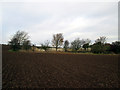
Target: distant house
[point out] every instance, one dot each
(54, 49)
(50, 49)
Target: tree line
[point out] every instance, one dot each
(20, 40)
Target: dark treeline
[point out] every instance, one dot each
(20, 40)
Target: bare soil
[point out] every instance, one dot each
(55, 70)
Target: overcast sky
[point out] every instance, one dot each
(74, 19)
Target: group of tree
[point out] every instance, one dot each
(20, 40)
(77, 44)
(100, 46)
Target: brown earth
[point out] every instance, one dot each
(53, 70)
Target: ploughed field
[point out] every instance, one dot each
(53, 70)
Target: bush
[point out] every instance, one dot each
(100, 48)
(26, 45)
(115, 47)
(96, 49)
(14, 45)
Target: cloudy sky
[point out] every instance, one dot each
(74, 19)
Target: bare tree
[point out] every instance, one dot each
(21, 36)
(45, 46)
(18, 39)
(87, 41)
(76, 44)
(66, 44)
(101, 40)
(57, 40)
